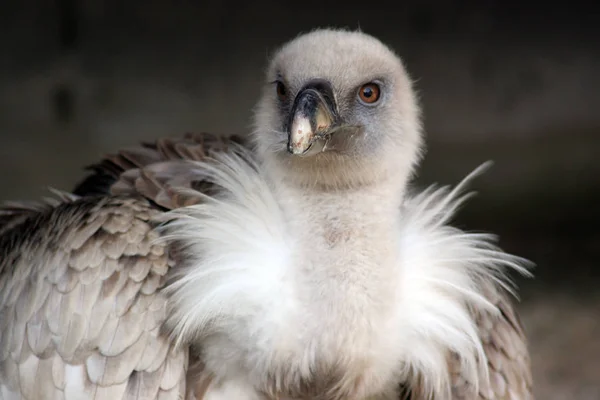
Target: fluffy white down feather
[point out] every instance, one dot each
(235, 294)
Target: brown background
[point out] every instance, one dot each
(514, 82)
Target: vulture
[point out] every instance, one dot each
(298, 261)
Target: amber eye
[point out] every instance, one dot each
(369, 93)
(281, 91)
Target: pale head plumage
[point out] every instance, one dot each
(380, 141)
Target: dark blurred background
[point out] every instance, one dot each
(515, 82)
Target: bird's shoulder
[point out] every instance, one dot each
(506, 349)
(159, 170)
(80, 304)
(492, 312)
(507, 357)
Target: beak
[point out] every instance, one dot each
(313, 118)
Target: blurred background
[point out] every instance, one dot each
(514, 82)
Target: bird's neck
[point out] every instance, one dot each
(375, 206)
(348, 238)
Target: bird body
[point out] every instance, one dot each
(295, 265)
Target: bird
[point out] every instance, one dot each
(296, 261)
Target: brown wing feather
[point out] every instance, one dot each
(505, 346)
(158, 171)
(79, 303)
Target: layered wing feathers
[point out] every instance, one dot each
(80, 308)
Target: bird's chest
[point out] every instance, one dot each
(320, 321)
(338, 338)
(337, 359)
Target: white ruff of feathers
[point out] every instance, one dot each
(237, 254)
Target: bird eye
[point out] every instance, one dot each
(369, 93)
(281, 91)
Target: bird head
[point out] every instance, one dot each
(337, 110)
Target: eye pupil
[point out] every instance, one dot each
(369, 93)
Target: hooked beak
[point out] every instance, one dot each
(313, 119)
